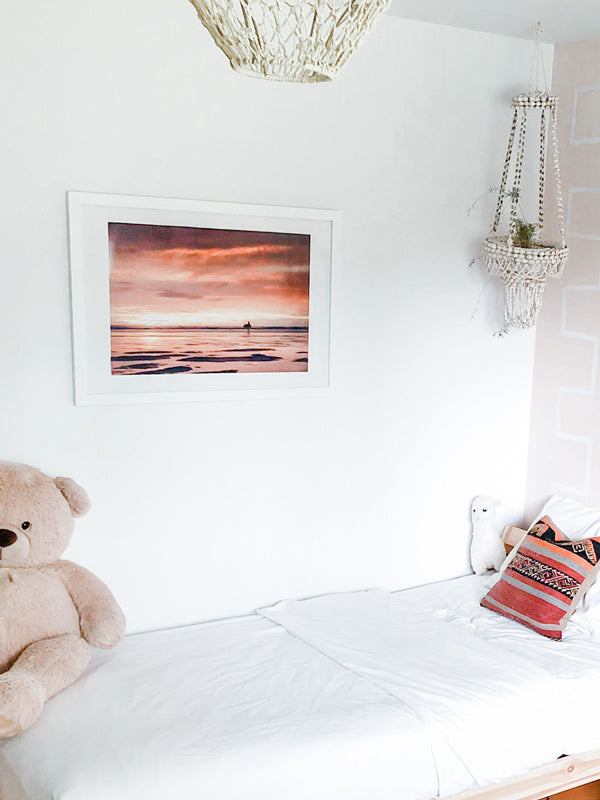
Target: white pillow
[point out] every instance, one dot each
(576, 521)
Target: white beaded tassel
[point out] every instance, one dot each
(304, 41)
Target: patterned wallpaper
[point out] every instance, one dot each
(564, 452)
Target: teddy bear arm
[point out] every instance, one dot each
(101, 620)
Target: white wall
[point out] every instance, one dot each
(367, 486)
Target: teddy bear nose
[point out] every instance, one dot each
(7, 537)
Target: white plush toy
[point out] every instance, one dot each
(487, 549)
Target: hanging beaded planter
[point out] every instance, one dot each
(304, 41)
(522, 259)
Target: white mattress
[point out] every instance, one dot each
(360, 696)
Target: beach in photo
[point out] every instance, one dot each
(204, 300)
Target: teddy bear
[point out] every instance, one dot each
(51, 610)
(487, 548)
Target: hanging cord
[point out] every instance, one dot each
(538, 80)
(542, 170)
(538, 67)
(516, 191)
(559, 197)
(502, 190)
(538, 74)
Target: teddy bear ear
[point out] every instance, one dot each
(75, 495)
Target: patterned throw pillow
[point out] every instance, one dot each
(545, 580)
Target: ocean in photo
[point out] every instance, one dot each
(160, 351)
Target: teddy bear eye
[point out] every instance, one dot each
(484, 509)
(26, 525)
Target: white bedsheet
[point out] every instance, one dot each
(360, 696)
(235, 710)
(495, 697)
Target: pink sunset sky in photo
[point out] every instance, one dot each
(162, 275)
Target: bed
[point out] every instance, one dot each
(353, 696)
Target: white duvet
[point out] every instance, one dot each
(360, 696)
(495, 697)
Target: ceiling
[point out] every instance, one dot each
(562, 20)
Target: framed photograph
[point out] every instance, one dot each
(181, 300)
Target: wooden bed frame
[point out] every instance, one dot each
(561, 775)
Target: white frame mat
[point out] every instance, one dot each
(88, 217)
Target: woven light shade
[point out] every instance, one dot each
(304, 41)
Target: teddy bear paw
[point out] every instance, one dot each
(105, 632)
(21, 703)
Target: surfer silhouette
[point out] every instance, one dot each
(247, 326)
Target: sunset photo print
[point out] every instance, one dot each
(207, 300)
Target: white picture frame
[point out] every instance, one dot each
(95, 383)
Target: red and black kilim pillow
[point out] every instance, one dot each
(545, 579)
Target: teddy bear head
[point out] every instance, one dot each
(36, 515)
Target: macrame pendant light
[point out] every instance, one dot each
(522, 258)
(304, 41)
